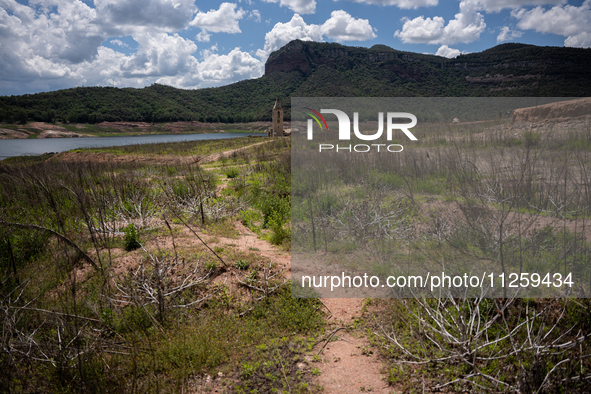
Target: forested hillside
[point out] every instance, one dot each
(322, 69)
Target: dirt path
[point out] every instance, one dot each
(219, 155)
(159, 159)
(250, 242)
(348, 365)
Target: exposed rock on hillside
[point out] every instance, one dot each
(555, 112)
(292, 58)
(305, 57)
(8, 134)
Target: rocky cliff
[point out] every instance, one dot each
(505, 67)
(292, 57)
(307, 56)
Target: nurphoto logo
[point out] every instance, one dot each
(344, 122)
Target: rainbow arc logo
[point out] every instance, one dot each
(315, 117)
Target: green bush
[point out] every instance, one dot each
(24, 245)
(281, 234)
(290, 314)
(131, 240)
(133, 319)
(248, 218)
(274, 206)
(241, 264)
(232, 172)
(532, 139)
(180, 189)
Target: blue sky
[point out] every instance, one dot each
(54, 44)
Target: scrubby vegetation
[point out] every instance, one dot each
(126, 277)
(482, 345)
(466, 199)
(114, 278)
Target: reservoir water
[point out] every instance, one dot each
(28, 147)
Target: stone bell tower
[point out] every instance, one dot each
(276, 129)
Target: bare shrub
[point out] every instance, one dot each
(507, 345)
(161, 281)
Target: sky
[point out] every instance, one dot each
(47, 45)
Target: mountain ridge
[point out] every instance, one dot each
(305, 68)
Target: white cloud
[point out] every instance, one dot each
(498, 5)
(570, 21)
(206, 52)
(343, 27)
(282, 33)
(168, 59)
(223, 20)
(119, 43)
(203, 36)
(159, 54)
(216, 69)
(42, 46)
(340, 26)
(58, 42)
(507, 34)
(255, 15)
(105, 69)
(406, 4)
(53, 44)
(448, 52)
(466, 27)
(235, 65)
(486, 5)
(170, 15)
(581, 40)
(67, 34)
(299, 6)
(421, 29)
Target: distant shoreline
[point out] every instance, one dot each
(32, 147)
(42, 130)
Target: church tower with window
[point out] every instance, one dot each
(276, 129)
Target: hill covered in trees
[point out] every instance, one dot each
(310, 69)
